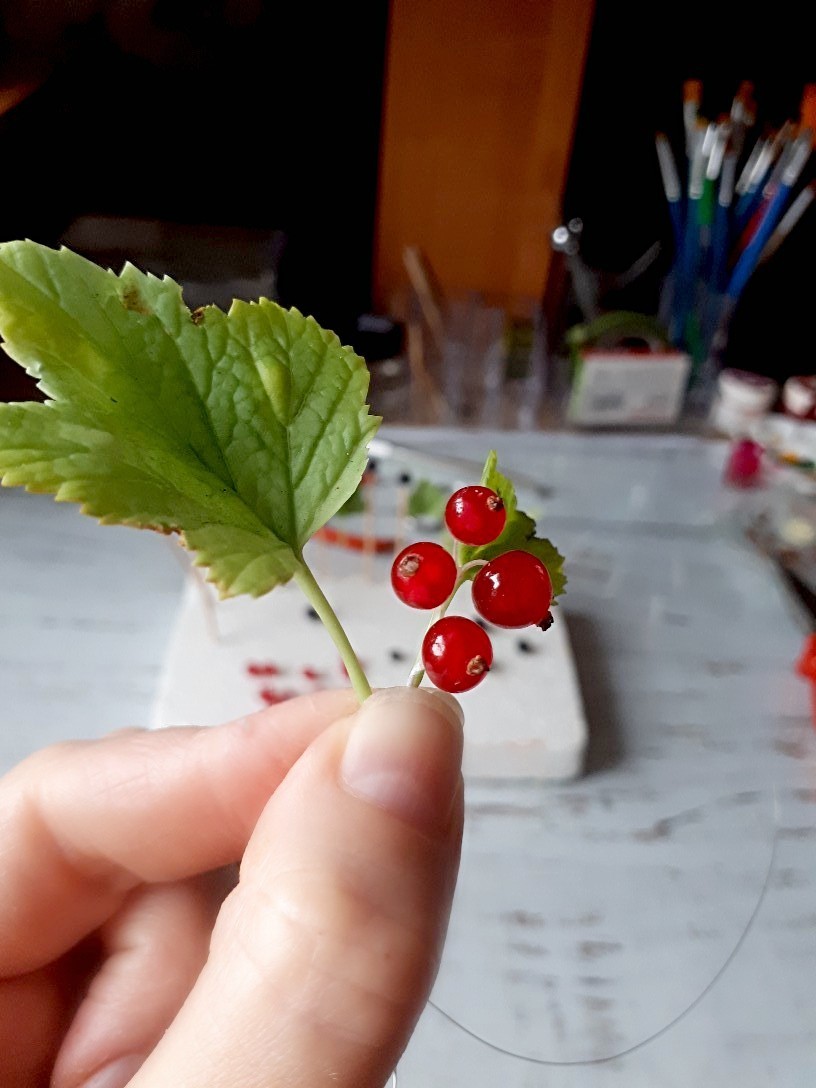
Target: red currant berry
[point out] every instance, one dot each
(475, 515)
(513, 590)
(456, 653)
(423, 575)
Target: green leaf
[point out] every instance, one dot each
(354, 504)
(519, 531)
(244, 432)
(427, 501)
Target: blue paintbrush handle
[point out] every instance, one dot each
(752, 252)
(746, 206)
(676, 213)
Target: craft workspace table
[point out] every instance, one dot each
(661, 908)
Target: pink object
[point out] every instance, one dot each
(744, 465)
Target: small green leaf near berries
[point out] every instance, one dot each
(427, 501)
(519, 532)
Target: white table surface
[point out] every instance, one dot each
(681, 871)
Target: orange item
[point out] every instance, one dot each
(480, 104)
(806, 667)
(693, 91)
(355, 542)
(808, 108)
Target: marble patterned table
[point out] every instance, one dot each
(663, 907)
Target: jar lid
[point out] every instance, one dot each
(743, 389)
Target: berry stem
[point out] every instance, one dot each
(472, 565)
(418, 671)
(317, 599)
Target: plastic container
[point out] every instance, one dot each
(742, 399)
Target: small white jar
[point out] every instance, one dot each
(742, 399)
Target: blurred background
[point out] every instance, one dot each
(259, 148)
(549, 219)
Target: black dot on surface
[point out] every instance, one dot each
(311, 614)
(525, 647)
(405, 477)
(372, 465)
(397, 655)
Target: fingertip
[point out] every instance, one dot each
(404, 755)
(430, 699)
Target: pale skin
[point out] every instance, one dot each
(130, 956)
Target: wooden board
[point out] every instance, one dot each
(479, 111)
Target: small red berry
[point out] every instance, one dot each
(423, 575)
(456, 653)
(513, 590)
(475, 515)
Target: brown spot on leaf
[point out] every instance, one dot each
(197, 315)
(132, 300)
(165, 530)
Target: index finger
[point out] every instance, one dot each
(81, 824)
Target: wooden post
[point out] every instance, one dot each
(480, 103)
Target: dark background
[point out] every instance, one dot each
(236, 114)
(251, 114)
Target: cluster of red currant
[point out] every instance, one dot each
(511, 590)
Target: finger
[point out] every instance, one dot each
(35, 1010)
(323, 957)
(82, 824)
(32, 1017)
(154, 949)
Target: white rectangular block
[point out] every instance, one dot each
(524, 720)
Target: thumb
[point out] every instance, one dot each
(323, 957)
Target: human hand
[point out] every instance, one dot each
(129, 956)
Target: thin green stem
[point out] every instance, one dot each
(317, 599)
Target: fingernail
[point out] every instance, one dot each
(116, 1074)
(404, 754)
